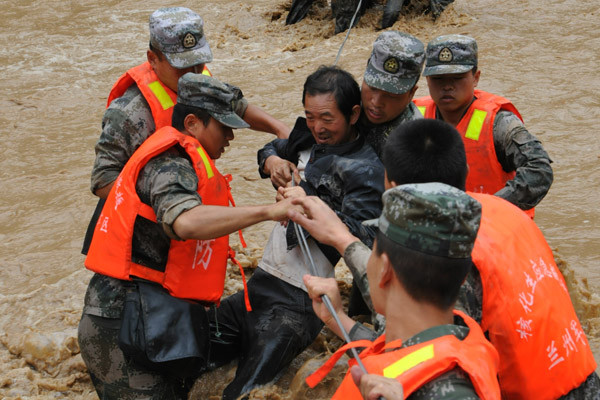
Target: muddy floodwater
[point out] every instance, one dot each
(60, 58)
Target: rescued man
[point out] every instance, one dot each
(515, 290)
(389, 84)
(421, 256)
(504, 158)
(166, 220)
(340, 168)
(142, 100)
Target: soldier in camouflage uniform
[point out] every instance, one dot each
(389, 84)
(169, 184)
(421, 255)
(452, 75)
(177, 46)
(420, 151)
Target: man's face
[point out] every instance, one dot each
(452, 92)
(214, 137)
(168, 74)
(380, 106)
(325, 121)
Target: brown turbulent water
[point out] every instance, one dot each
(59, 59)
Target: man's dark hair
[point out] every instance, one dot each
(334, 80)
(180, 111)
(425, 150)
(427, 278)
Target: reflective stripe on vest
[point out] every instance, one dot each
(161, 95)
(408, 362)
(475, 124)
(413, 366)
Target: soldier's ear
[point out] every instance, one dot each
(192, 124)
(151, 57)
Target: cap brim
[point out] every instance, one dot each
(190, 58)
(231, 120)
(380, 80)
(447, 69)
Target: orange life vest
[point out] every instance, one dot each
(476, 129)
(160, 98)
(195, 268)
(416, 365)
(527, 310)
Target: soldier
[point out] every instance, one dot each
(504, 158)
(389, 84)
(163, 236)
(514, 273)
(142, 99)
(421, 256)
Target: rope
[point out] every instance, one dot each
(347, 33)
(313, 270)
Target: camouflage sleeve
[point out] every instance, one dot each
(452, 385)
(169, 184)
(125, 125)
(520, 151)
(356, 256)
(470, 295)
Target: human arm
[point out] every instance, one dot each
(259, 120)
(208, 222)
(520, 151)
(169, 184)
(317, 287)
(322, 223)
(373, 387)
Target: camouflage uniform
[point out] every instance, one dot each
(395, 67)
(128, 120)
(516, 148)
(169, 184)
(470, 300)
(435, 219)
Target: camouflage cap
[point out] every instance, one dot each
(432, 218)
(395, 63)
(209, 94)
(450, 54)
(178, 33)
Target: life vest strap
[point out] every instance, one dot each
(246, 297)
(313, 379)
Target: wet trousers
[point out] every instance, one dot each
(115, 376)
(280, 326)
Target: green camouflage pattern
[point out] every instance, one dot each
(212, 96)
(450, 54)
(127, 122)
(520, 151)
(168, 183)
(431, 218)
(396, 62)
(376, 134)
(178, 33)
